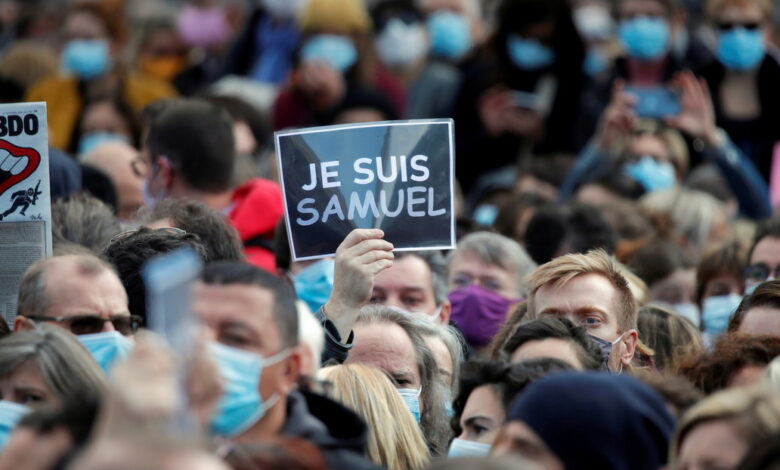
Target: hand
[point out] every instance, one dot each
(697, 117)
(324, 86)
(500, 114)
(204, 386)
(360, 257)
(617, 120)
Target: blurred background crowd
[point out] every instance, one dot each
(613, 301)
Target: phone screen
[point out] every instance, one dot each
(655, 102)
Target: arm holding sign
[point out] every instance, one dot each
(360, 257)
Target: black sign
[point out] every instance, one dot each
(395, 176)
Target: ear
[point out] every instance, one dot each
(167, 172)
(292, 370)
(628, 347)
(446, 313)
(21, 323)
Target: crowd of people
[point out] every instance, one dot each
(613, 301)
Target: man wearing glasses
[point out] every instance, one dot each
(83, 294)
(764, 259)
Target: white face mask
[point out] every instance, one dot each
(594, 22)
(284, 9)
(401, 44)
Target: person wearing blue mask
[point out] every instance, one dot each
(486, 390)
(332, 62)
(44, 367)
(82, 294)
(92, 41)
(521, 90)
(105, 120)
(719, 286)
(741, 79)
(250, 319)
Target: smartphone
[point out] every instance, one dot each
(525, 100)
(655, 102)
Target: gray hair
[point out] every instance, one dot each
(66, 366)
(498, 250)
(452, 339)
(433, 420)
(33, 300)
(84, 220)
(438, 266)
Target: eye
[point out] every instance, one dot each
(377, 299)
(591, 322)
(28, 398)
(479, 430)
(412, 301)
(233, 339)
(491, 284)
(462, 280)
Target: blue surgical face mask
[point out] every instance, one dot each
(92, 140)
(740, 48)
(401, 44)
(486, 214)
(107, 347)
(529, 54)
(690, 311)
(314, 284)
(717, 311)
(337, 51)
(450, 35)
(411, 397)
(595, 63)
(651, 174)
(464, 448)
(85, 58)
(241, 405)
(10, 415)
(645, 38)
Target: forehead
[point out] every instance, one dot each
(246, 304)
(65, 284)
(555, 348)
(744, 11)
(484, 401)
(584, 290)
(767, 251)
(761, 321)
(649, 144)
(383, 345)
(408, 272)
(648, 7)
(470, 262)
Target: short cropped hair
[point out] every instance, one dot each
(726, 259)
(33, 300)
(83, 219)
(197, 137)
(497, 250)
(239, 272)
(766, 295)
(588, 351)
(219, 238)
(563, 269)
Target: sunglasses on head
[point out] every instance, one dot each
(760, 272)
(89, 324)
(728, 26)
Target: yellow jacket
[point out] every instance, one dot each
(64, 102)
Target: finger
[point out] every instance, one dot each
(617, 89)
(368, 245)
(358, 235)
(379, 266)
(374, 256)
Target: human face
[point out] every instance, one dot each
(386, 346)
(104, 117)
(676, 288)
(589, 300)
(25, 386)
(555, 348)
(482, 416)
(84, 25)
(761, 321)
(711, 444)
(72, 294)
(407, 285)
(467, 269)
(746, 376)
(748, 13)
(628, 9)
(443, 358)
(723, 284)
(241, 316)
(766, 253)
(651, 146)
(517, 438)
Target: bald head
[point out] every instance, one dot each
(70, 285)
(115, 159)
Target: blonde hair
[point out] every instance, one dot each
(335, 16)
(563, 269)
(753, 412)
(394, 440)
(676, 148)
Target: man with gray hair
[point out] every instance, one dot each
(79, 292)
(485, 277)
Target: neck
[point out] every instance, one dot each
(646, 72)
(217, 201)
(268, 427)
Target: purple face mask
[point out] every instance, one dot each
(479, 313)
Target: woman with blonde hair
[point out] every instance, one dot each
(720, 430)
(395, 440)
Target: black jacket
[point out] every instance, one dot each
(338, 432)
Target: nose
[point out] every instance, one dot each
(107, 326)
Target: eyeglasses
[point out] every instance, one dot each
(122, 235)
(760, 272)
(728, 26)
(89, 324)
